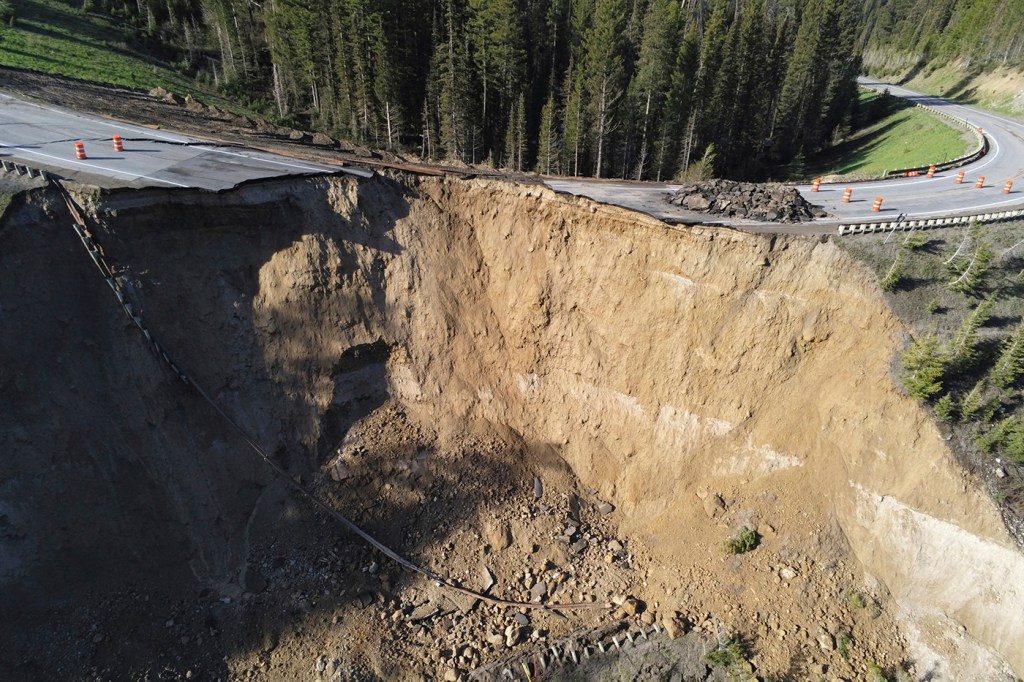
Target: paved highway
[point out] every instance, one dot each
(43, 136)
(919, 197)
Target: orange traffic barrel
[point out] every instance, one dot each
(1008, 186)
(960, 177)
(877, 206)
(118, 146)
(847, 193)
(931, 171)
(981, 182)
(80, 150)
(815, 184)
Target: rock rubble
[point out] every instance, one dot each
(766, 202)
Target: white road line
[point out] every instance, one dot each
(73, 115)
(90, 165)
(915, 215)
(897, 182)
(322, 169)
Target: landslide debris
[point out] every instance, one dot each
(530, 393)
(763, 202)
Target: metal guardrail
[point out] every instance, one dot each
(21, 169)
(930, 223)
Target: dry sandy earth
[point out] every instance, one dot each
(418, 352)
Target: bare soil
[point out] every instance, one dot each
(420, 352)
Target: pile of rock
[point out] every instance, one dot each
(767, 202)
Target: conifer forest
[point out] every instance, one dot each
(640, 89)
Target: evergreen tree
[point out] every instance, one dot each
(651, 84)
(604, 75)
(515, 136)
(458, 135)
(924, 364)
(574, 149)
(1010, 365)
(548, 144)
(499, 57)
(963, 347)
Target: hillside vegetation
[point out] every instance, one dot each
(905, 33)
(53, 37)
(960, 290)
(642, 89)
(891, 133)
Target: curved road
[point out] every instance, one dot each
(43, 136)
(919, 197)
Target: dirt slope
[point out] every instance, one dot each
(446, 342)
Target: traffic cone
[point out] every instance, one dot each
(118, 147)
(847, 193)
(877, 206)
(1008, 186)
(981, 182)
(80, 150)
(815, 184)
(960, 177)
(931, 171)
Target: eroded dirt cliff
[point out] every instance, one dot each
(418, 351)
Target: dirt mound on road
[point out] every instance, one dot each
(762, 202)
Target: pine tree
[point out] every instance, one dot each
(963, 346)
(651, 83)
(675, 129)
(496, 39)
(515, 136)
(574, 149)
(548, 143)
(1010, 365)
(459, 138)
(604, 75)
(924, 363)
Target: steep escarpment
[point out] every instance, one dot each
(419, 350)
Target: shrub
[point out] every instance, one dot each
(1008, 438)
(924, 363)
(971, 403)
(944, 410)
(743, 541)
(726, 656)
(843, 644)
(856, 600)
(915, 241)
(894, 276)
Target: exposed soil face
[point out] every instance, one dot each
(418, 351)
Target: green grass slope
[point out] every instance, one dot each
(894, 135)
(54, 37)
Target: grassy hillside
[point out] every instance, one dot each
(962, 292)
(54, 37)
(893, 134)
